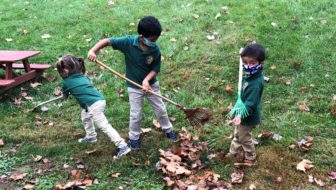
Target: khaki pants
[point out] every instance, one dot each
(136, 99)
(243, 138)
(95, 115)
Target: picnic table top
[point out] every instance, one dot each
(7, 56)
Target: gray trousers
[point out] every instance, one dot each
(136, 99)
(95, 115)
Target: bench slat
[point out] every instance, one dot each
(6, 82)
(32, 66)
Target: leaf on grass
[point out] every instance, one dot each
(304, 107)
(25, 32)
(237, 177)
(1, 143)
(156, 123)
(228, 88)
(333, 110)
(29, 186)
(58, 91)
(45, 36)
(323, 21)
(304, 164)
(186, 75)
(9, 39)
(87, 182)
(252, 187)
(265, 134)
(217, 16)
(65, 166)
(145, 130)
(319, 182)
(332, 175)
(90, 151)
(37, 158)
(51, 79)
(211, 37)
(172, 118)
(266, 78)
(17, 176)
(35, 84)
(273, 67)
(46, 160)
(28, 98)
(173, 40)
(116, 175)
(38, 120)
(196, 16)
(277, 137)
(17, 101)
(169, 182)
(185, 48)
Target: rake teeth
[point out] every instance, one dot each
(238, 109)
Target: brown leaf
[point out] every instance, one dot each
(87, 182)
(304, 107)
(333, 110)
(228, 88)
(265, 134)
(58, 91)
(45, 160)
(1, 143)
(237, 177)
(17, 101)
(172, 118)
(116, 175)
(35, 84)
(145, 130)
(319, 182)
(76, 174)
(17, 176)
(169, 181)
(29, 186)
(156, 123)
(252, 187)
(303, 165)
(90, 151)
(37, 158)
(186, 75)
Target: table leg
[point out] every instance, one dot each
(8, 74)
(26, 65)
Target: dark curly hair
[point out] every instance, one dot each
(254, 50)
(149, 26)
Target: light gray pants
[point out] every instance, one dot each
(95, 115)
(136, 99)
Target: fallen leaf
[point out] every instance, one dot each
(145, 130)
(58, 91)
(35, 84)
(273, 67)
(210, 37)
(25, 32)
(319, 182)
(332, 175)
(90, 151)
(274, 24)
(266, 78)
(110, 3)
(173, 40)
(265, 134)
(9, 39)
(37, 158)
(323, 21)
(228, 88)
(186, 75)
(17, 176)
(45, 160)
(45, 36)
(237, 177)
(116, 175)
(29, 186)
(17, 101)
(172, 118)
(303, 165)
(333, 110)
(217, 16)
(196, 16)
(252, 187)
(1, 143)
(304, 107)
(156, 123)
(87, 182)
(277, 137)
(185, 48)
(28, 98)
(65, 166)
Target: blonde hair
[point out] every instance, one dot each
(69, 64)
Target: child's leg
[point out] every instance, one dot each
(88, 124)
(235, 143)
(98, 116)
(136, 103)
(245, 138)
(159, 109)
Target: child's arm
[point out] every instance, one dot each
(101, 44)
(145, 82)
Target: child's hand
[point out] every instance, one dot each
(146, 86)
(237, 120)
(92, 56)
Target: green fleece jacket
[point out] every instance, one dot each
(252, 90)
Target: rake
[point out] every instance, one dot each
(239, 109)
(43, 103)
(195, 116)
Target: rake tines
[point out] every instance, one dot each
(197, 116)
(239, 109)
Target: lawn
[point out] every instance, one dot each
(199, 46)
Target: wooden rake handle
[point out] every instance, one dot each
(48, 101)
(240, 79)
(136, 84)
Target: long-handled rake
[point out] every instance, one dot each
(43, 103)
(239, 108)
(196, 116)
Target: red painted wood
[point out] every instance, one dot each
(26, 65)
(21, 79)
(8, 71)
(32, 66)
(6, 82)
(14, 56)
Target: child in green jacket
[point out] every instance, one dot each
(253, 56)
(90, 99)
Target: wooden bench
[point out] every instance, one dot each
(6, 82)
(32, 66)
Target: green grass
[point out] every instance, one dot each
(300, 46)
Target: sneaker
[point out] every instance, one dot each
(121, 152)
(87, 140)
(172, 136)
(135, 144)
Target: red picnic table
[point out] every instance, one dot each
(8, 61)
